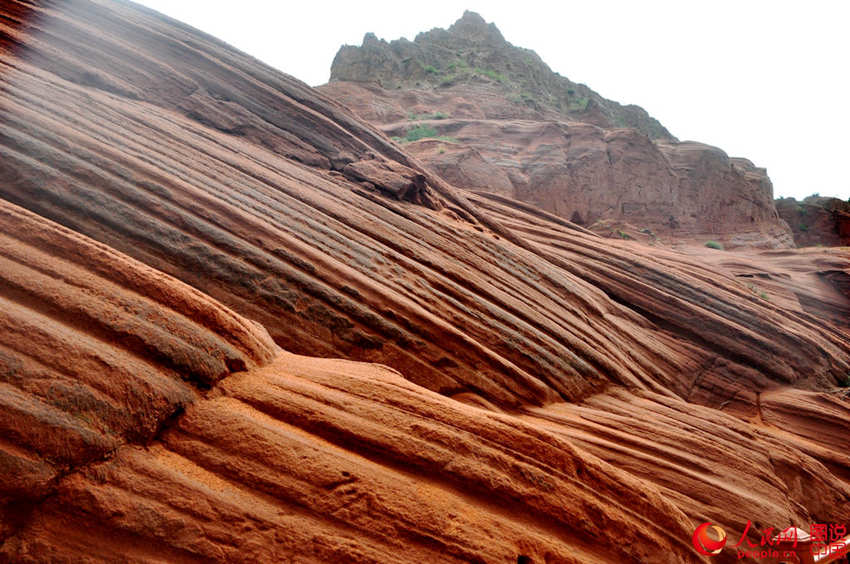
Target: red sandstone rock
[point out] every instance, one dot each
(544, 140)
(543, 392)
(817, 221)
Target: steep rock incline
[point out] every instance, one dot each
(495, 111)
(721, 467)
(328, 265)
(685, 297)
(96, 350)
(100, 356)
(817, 221)
(335, 461)
(275, 202)
(813, 280)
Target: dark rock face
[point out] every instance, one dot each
(509, 125)
(473, 51)
(172, 212)
(817, 221)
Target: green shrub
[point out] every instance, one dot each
(431, 69)
(459, 64)
(714, 245)
(423, 131)
(448, 80)
(420, 132)
(579, 105)
(491, 74)
(804, 227)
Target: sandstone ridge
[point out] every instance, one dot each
(240, 324)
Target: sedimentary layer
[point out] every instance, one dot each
(189, 236)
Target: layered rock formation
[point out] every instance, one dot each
(817, 220)
(505, 123)
(186, 231)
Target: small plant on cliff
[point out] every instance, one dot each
(756, 290)
(423, 131)
(459, 64)
(420, 132)
(489, 73)
(431, 69)
(714, 245)
(804, 227)
(578, 105)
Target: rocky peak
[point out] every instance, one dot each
(472, 51)
(490, 116)
(473, 27)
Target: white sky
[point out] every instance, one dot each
(766, 80)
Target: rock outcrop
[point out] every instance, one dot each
(188, 235)
(817, 220)
(494, 117)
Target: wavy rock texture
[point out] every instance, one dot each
(547, 394)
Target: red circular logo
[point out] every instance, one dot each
(705, 544)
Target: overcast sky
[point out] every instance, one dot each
(765, 80)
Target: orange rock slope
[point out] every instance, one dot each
(185, 232)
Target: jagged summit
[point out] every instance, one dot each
(474, 51)
(490, 116)
(472, 26)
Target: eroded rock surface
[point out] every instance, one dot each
(186, 232)
(494, 117)
(817, 221)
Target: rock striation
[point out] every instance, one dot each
(241, 324)
(487, 115)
